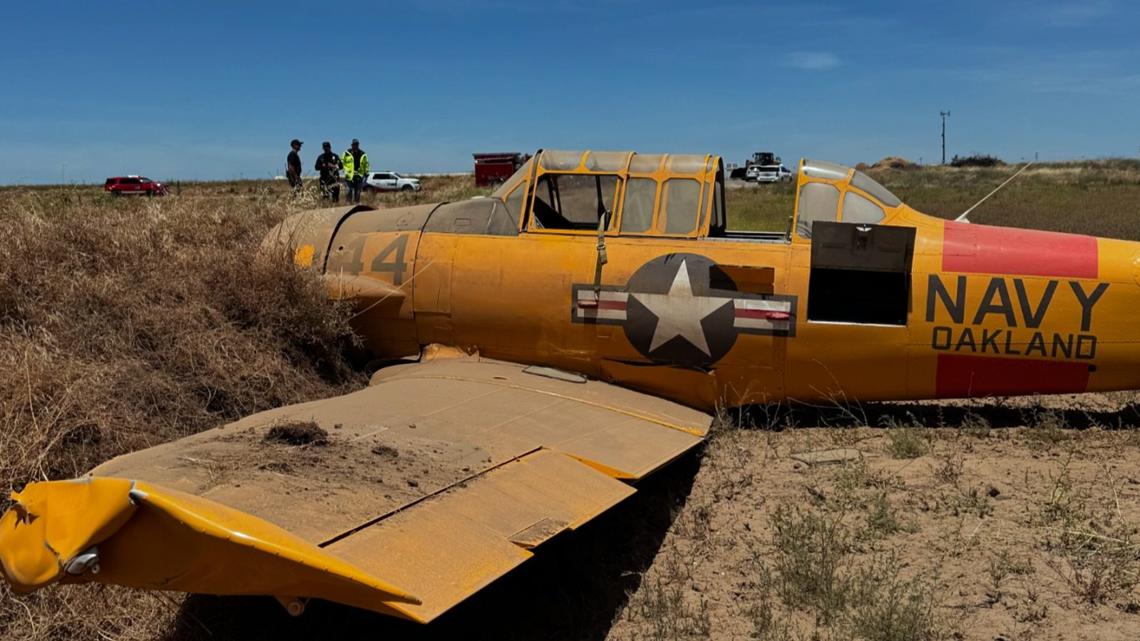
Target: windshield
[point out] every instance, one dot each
(823, 169)
(862, 181)
(516, 178)
(859, 180)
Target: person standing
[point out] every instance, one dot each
(329, 164)
(355, 163)
(293, 166)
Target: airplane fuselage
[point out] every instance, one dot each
(859, 312)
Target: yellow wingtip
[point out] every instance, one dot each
(117, 531)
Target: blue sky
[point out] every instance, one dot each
(217, 89)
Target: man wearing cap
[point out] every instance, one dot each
(293, 166)
(355, 163)
(328, 164)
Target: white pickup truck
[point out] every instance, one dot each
(769, 174)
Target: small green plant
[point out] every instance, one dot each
(1099, 550)
(1111, 569)
(975, 425)
(663, 612)
(887, 607)
(883, 519)
(858, 475)
(767, 625)
(1065, 504)
(999, 567)
(973, 501)
(905, 443)
(810, 549)
(1045, 427)
(949, 468)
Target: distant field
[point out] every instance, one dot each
(1101, 198)
(1091, 197)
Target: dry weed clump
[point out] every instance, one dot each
(128, 323)
(811, 547)
(131, 322)
(86, 612)
(813, 569)
(668, 615)
(893, 608)
(1095, 546)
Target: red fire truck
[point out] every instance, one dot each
(494, 168)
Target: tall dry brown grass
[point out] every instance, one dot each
(128, 322)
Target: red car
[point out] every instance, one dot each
(139, 185)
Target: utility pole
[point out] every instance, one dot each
(944, 114)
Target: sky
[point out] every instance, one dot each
(215, 90)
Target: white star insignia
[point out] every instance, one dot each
(679, 313)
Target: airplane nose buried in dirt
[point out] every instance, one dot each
(306, 236)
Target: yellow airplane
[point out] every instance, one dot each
(572, 333)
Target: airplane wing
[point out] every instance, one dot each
(404, 498)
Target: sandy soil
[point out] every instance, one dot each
(974, 521)
(972, 532)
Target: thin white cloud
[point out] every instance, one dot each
(812, 60)
(1075, 14)
(1106, 72)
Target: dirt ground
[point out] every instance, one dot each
(980, 530)
(976, 521)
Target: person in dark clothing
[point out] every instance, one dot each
(328, 164)
(293, 166)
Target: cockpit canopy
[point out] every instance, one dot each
(669, 194)
(832, 192)
(650, 194)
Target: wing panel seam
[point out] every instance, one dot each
(627, 412)
(390, 513)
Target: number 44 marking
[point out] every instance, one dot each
(396, 266)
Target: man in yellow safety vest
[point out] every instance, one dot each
(355, 163)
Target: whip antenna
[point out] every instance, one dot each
(962, 218)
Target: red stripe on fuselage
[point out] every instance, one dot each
(981, 249)
(762, 313)
(960, 376)
(611, 304)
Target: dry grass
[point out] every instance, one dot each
(1094, 197)
(760, 207)
(131, 322)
